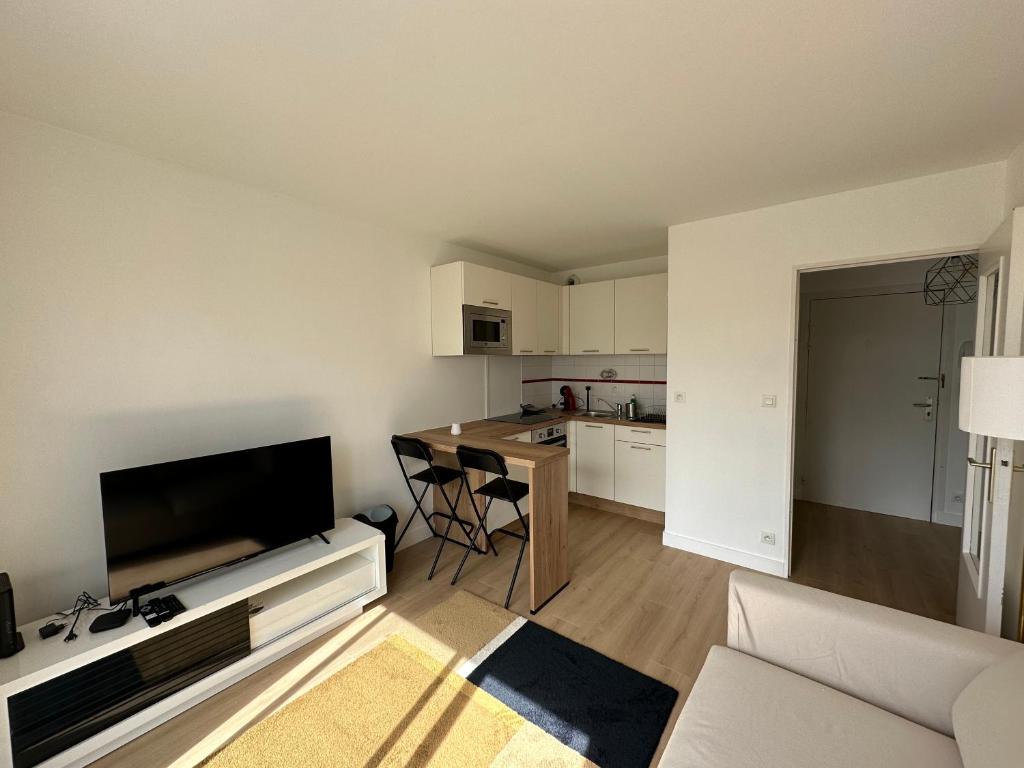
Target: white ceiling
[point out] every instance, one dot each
(564, 132)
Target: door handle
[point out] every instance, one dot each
(922, 405)
(990, 466)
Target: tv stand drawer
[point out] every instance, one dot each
(295, 603)
(53, 716)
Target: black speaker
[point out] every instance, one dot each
(10, 638)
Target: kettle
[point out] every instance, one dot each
(568, 398)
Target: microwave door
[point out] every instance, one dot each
(486, 331)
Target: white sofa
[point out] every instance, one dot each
(815, 680)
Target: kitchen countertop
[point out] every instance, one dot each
(492, 434)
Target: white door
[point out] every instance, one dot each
(990, 479)
(869, 433)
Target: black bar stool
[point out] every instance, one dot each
(434, 474)
(498, 488)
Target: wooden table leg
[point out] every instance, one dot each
(549, 531)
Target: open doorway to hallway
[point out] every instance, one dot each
(879, 466)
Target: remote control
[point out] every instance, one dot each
(150, 614)
(173, 605)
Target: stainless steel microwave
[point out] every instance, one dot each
(486, 331)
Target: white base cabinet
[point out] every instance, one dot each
(640, 475)
(595, 459)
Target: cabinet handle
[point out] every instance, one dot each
(641, 431)
(521, 351)
(591, 350)
(594, 426)
(640, 349)
(549, 351)
(639, 448)
(490, 302)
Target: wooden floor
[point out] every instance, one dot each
(653, 608)
(906, 564)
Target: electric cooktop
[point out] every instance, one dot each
(528, 415)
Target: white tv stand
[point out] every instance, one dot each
(300, 592)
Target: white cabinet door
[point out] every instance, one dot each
(563, 320)
(592, 322)
(641, 315)
(524, 315)
(595, 459)
(570, 439)
(486, 287)
(548, 319)
(640, 475)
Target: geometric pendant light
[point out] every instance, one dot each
(952, 280)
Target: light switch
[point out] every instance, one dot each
(767, 401)
(680, 397)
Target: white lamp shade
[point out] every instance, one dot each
(992, 396)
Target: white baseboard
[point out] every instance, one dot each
(726, 554)
(943, 517)
(417, 532)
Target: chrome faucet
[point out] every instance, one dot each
(617, 407)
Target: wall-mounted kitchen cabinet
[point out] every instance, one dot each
(524, 315)
(641, 315)
(549, 319)
(592, 319)
(452, 286)
(628, 316)
(486, 287)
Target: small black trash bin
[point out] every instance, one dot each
(384, 519)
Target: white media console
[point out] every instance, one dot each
(293, 595)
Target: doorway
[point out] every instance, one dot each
(879, 465)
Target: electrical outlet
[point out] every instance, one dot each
(768, 537)
(680, 397)
(767, 401)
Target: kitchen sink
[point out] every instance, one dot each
(597, 414)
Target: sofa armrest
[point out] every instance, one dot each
(905, 664)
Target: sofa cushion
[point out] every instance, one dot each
(746, 712)
(986, 716)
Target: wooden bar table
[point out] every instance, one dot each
(548, 508)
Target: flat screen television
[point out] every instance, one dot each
(167, 522)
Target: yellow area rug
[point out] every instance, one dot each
(400, 704)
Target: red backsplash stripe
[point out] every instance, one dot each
(595, 381)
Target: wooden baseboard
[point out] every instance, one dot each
(607, 505)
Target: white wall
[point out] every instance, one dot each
(1015, 179)
(729, 461)
(650, 265)
(150, 313)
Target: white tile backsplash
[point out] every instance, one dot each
(562, 367)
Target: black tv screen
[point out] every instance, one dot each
(168, 522)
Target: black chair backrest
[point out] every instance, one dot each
(412, 447)
(481, 458)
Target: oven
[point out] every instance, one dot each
(486, 331)
(553, 435)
